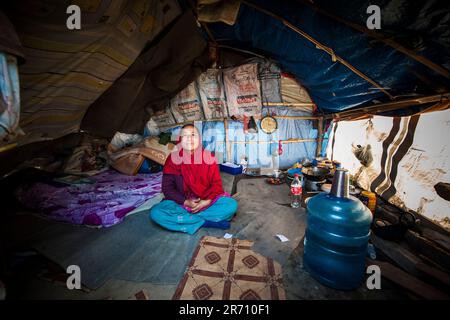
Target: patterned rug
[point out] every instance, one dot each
(227, 269)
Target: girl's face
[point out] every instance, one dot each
(190, 139)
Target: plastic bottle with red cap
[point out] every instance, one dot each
(296, 191)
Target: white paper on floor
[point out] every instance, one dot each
(282, 238)
(228, 236)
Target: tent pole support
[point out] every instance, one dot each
(320, 46)
(430, 64)
(319, 136)
(313, 118)
(227, 142)
(442, 99)
(288, 104)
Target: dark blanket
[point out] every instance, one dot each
(9, 40)
(176, 59)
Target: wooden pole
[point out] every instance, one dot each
(297, 117)
(265, 141)
(319, 45)
(227, 142)
(255, 117)
(409, 282)
(379, 36)
(319, 137)
(288, 104)
(390, 106)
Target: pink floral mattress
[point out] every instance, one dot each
(103, 203)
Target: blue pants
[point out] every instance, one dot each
(172, 216)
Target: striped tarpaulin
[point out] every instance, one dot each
(67, 70)
(410, 157)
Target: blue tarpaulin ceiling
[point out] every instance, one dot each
(421, 27)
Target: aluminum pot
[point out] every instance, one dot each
(315, 173)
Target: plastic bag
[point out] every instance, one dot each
(151, 128)
(363, 154)
(125, 140)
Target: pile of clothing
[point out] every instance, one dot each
(133, 153)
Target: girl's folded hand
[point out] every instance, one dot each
(191, 203)
(200, 205)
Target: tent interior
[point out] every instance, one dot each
(89, 115)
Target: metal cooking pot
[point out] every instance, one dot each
(315, 173)
(313, 186)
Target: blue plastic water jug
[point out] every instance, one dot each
(337, 234)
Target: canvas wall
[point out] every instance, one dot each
(411, 155)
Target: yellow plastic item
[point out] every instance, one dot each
(369, 199)
(297, 165)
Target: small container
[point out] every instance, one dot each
(296, 191)
(230, 168)
(277, 173)
(369, 199)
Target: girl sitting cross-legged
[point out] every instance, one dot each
(192, 187)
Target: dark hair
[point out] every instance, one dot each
(188, 125)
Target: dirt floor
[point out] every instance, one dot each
(36, 271)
